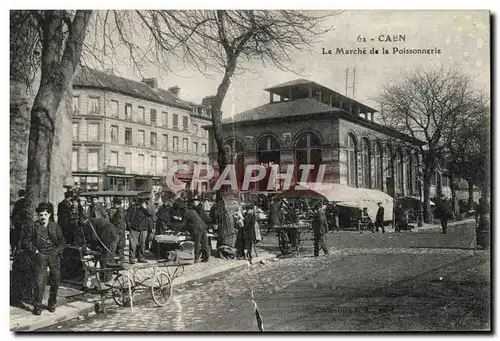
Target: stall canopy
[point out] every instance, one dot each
(110, 194)
(409, 200)
(344, 196)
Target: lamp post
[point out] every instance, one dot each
(420, 203)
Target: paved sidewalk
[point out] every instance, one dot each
(67, 309)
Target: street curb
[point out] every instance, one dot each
(73, 310)
(231, 265)
(63, 313)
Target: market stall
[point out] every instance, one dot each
(351, 200)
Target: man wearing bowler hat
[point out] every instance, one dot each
(45, 242)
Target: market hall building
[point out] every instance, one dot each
(307, 123)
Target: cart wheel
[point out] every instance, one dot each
(119, 290)
(283, 242)
(161, 289)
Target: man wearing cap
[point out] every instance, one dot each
(45, 242)
(64, 209)
(138, 220)
(320, 227)
(97, 211)
(118, 220)
(198, 229)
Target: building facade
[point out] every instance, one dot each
(126, 134)
(307, 123)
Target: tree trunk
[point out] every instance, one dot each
(41, 138)
(223, 153)
(470, 204)
(454, 201)
(427, 192)
(226, 229)
(58, 65)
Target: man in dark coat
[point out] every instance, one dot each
(320, 227)
(118, 220)
(249, 221)
(19, 219)
(200, 209)
(73, 230)
(274, 214)
(138, 220)
(332, 215)
(443, 212)
(163, 216)
(379, 219)
(96, 210)
(198, 229)
(45, 242)
(64, 209)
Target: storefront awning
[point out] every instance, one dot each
(351, 196)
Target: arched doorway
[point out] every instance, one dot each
(308, 152)
(365, 163)
(378, 168)
(237, 158)
(352, 171)
(268, 154)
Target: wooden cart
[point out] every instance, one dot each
(126, 282)
(291, 236)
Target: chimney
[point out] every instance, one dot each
(208, 101)
(152, 82)
(175, 90)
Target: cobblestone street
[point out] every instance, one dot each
(355, 288)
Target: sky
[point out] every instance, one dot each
(462, 37)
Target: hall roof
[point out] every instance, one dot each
(299, 88)
(302, 106)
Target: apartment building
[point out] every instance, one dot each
(126, 134)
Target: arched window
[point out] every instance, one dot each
(388, 168)
(352, 173)
(409, 172)
(268, 150)
(416, 168)
(365, 163)
(308, 152)
(377, 157)
(268, 154)
(398, 172)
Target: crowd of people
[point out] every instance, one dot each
(38, 245)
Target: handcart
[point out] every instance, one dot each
(290, 236)
(128, 280)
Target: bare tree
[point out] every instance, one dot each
(52, 47)
(469, 152)
(224, 40)
(429, 104)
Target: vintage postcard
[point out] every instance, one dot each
(250, 170)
